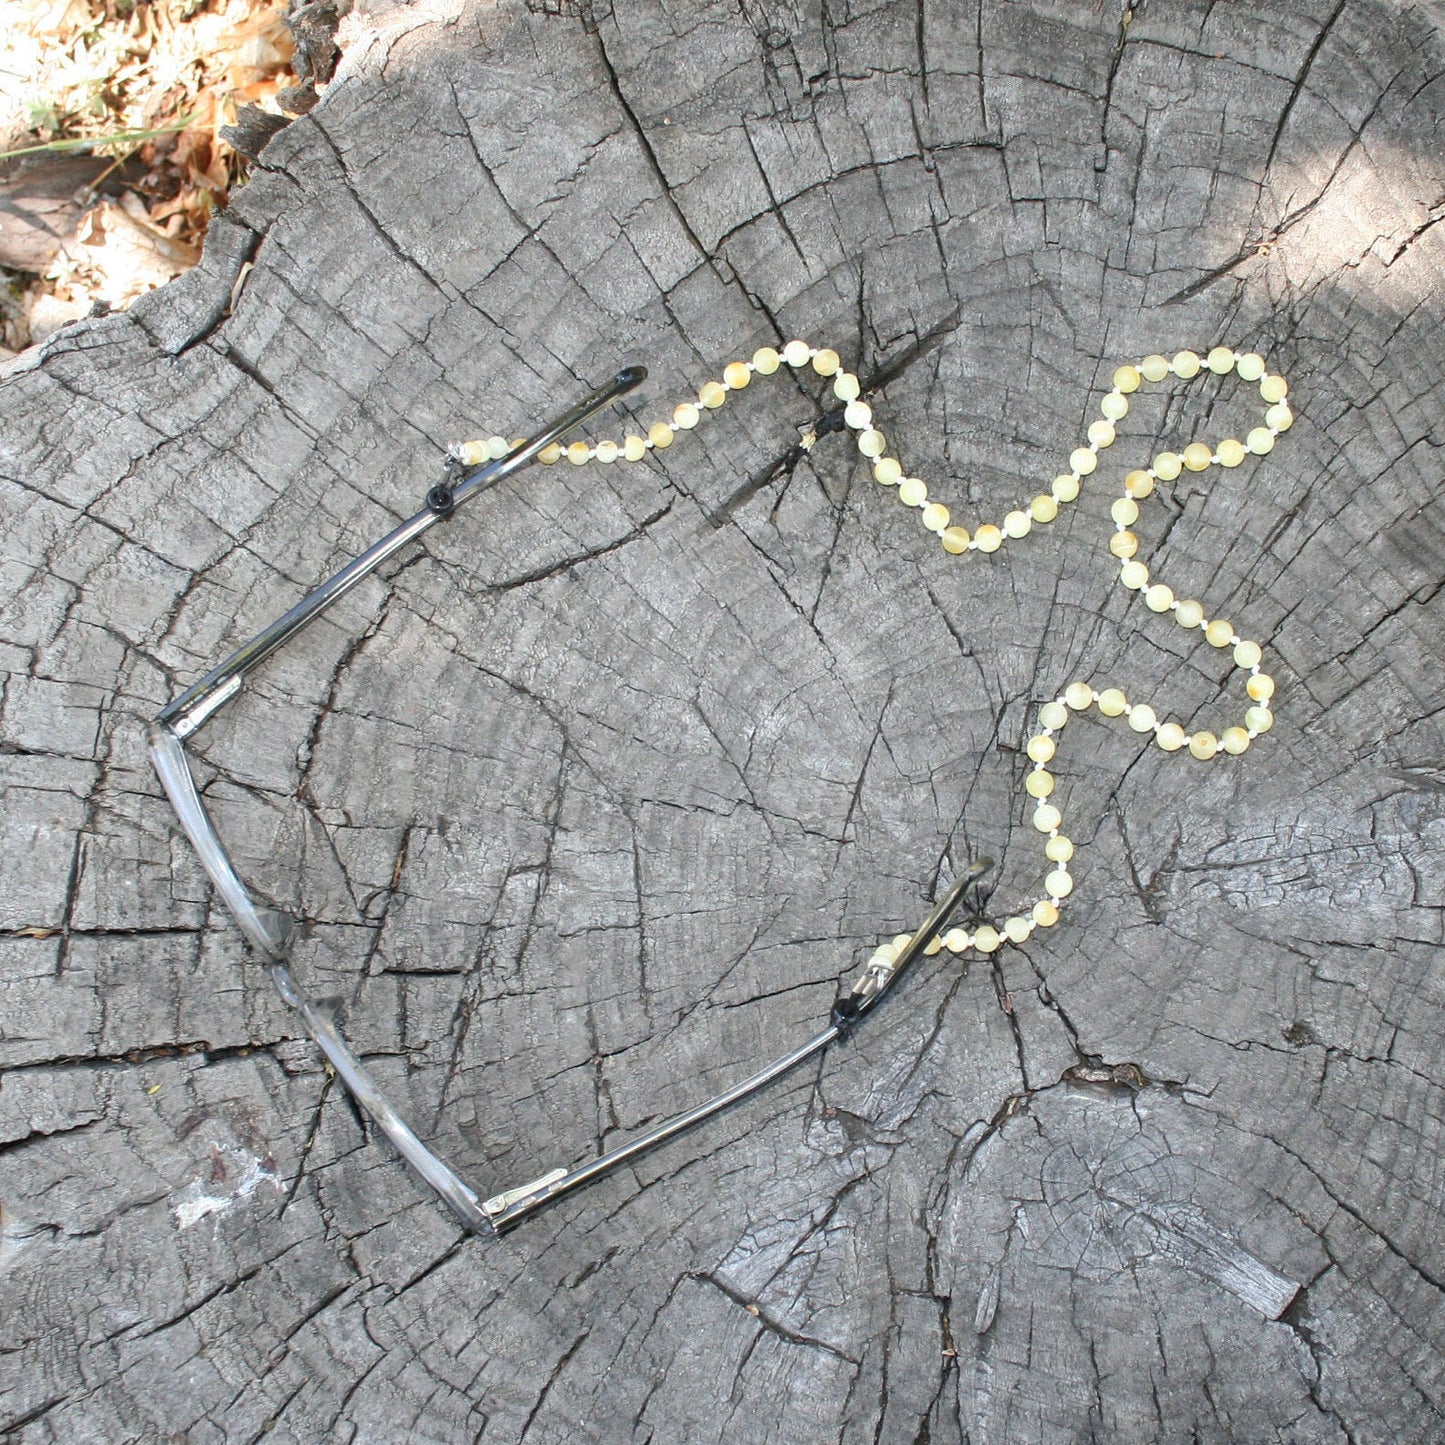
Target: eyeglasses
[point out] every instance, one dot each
(270, 931)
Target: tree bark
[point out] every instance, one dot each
(591, 802)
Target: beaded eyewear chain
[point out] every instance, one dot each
(475, 466)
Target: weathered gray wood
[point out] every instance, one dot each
(591, 806)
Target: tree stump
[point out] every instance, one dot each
(591, 801)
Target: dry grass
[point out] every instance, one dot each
(149, 80)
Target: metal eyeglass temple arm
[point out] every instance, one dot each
(188, 711)
(510, 1207)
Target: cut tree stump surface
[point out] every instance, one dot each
(591, 801)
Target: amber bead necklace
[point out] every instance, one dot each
(937, 518)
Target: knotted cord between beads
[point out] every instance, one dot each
(1124, 545)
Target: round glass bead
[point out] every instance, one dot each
(660, 434)
(1127, 379)
(1158, 597)
(1040, 749)
(955, 540)
(1017, 524)
(935, 517)
(736, 375)
(1189, 613)
(1186, 364)
(1219, 633)
(1043, 508)
(1079, 696)
(1141, 718)
(1058, 884)
(1045, 913)
(1134, 575)
(795, 353)
(1125, 511)
(1250, 366)
(1053, 715)
(1197, 456)
(888, 471)
(1114, 406)
(1082, 461)
(912, 492)
(1168, 465)
(1112, 702)
(827, 362)
(1231, 452)
(845, 386)
(1154, 368)
(1171, 737)
(1059, 849)
(766, 361)
(1247, 655)
(1047, 817)
(987, 538)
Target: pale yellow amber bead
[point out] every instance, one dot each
(712, 394)
(608, 452)
(1017, 524)
(1280, 417)
(986, 940)
(1219, 633)
(1186, 364)
(1079, 695)
(1154, 368)
(1101, 433)
(1250, 366)
(888, 471)
(1197, 456)
(578, 453)
(1047, 817)
(685, 416)
(1017, 930)
(498, 447)
(1125, 511)
(795, 353)
(956, 940)
(1274, 388)
(1134, 575)
(1139, 484)
(935, 517)
(827, 362)
(936, 946)
(1045, 914)
(1058, 884)
(1221, 360)
(1231, 452)
(1123, 545)
(472, 454)
(1168, 465)
(988, 538)
(1189, 613)
(1260, 441)
(1234, 741)
(634, 448)
(1126, 379)
(766, 361)
(1059, 850)
(1158, 597)
(1204, 745)
(1171, 737)
(1141, 718)
(1053, 715)
(1039, 783)
(902, 940)
(955, 540)
(912, 492)
(1260, 687)
(858, 415)
(736, 375)
(1040, 749)
(1082, 461)
(1258, 719)
(845, 386)
(872, 443)
(1043, 509)
(549, 454)
(886, 953)
(660, 434)
(1114, 406)
(1112, 702)
(1247, 655)
(1065, 489)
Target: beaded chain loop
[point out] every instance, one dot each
(1077, 697)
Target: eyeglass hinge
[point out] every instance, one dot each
(500, 1203)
